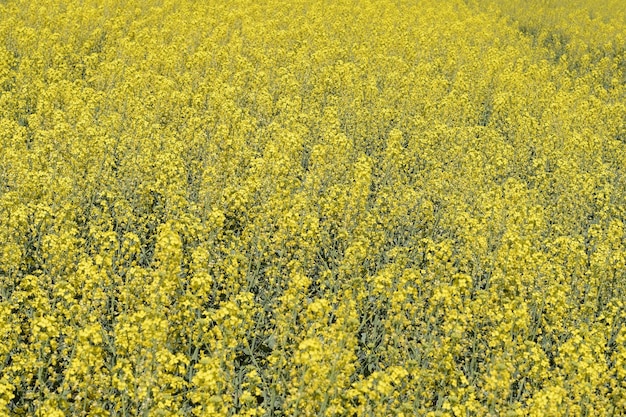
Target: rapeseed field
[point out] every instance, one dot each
(312, 208)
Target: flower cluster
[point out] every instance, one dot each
(312, 208)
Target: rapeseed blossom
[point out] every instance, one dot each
(312, 208)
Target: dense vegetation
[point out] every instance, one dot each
(309, 207)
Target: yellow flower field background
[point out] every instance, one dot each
(312, 208)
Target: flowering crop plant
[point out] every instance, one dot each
(312, 208)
